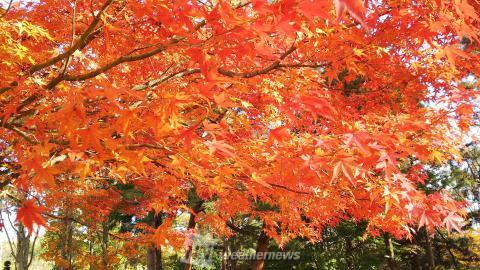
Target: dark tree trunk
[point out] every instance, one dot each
(262, 247)
(416, 260)
(429, 250)
(417, 265)
(233, 248)
(349, 254)
(105, 244)
(66, 237)
(154, 254)
(154, 258)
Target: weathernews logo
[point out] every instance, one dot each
(205, 249)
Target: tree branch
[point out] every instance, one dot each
(9, 241)
(245, 230)
(272, 66)
(147, 145)
(21, 133)
(77, 45)
(8, 88)
(120, 60)
(7, 9)
(33, 248)
(156, 82)
(289, 189)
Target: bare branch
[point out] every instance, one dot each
(289, 189)
(12, 250)
(77, 45)
(146, 145)
(7, 9)
(74, 13)
(8, 88)
(21, 133)
(156, 82)
(11, 223)
(116, 62)
(120, 60)
(33, 248)
(272, 66)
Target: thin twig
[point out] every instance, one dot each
(77, 45)
(9, 241)
(33, 248)
(272, 66)
(7, 9)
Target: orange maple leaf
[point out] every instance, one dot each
(280, 134)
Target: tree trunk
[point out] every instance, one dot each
(67, 248)
(430, 253)
(188, 251)
(234, 249)
(191, 226)
(390, 252)
(105, 244)
(417, 265)
(349, 254)
(154, 254)
(23, 248)
(225, 254)
(154, 258)
(416, 262)
(66, 241)
(90, 252)
(262, 247)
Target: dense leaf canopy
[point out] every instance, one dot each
(298, 113)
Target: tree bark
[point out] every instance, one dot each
(154, 254)
(234, 249)
(225, 254)
(430, 253)
(23, 248)
(262, 247)
(66, 241)
(105, 244)
(349, 254)
(390, 251)
(191, 226)
(154, 258)
(416, 263)
(90, 252)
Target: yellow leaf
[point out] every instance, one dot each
(260, 181)
(437, 156)
(358, 52)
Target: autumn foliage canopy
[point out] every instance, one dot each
(298, 113)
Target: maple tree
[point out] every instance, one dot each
(296, 113)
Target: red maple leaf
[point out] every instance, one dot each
(30, 214)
